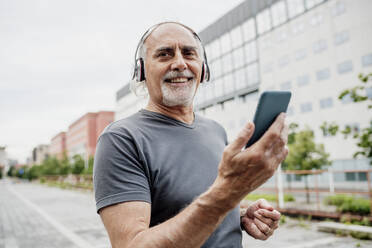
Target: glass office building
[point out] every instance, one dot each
(314, 48)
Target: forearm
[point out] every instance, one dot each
(191, 227)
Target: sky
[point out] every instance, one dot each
(61, 59)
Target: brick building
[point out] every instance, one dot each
(58, 145)
(82, 135)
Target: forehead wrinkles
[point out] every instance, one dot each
(170, 35)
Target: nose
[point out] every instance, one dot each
(179, 63)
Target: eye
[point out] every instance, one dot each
(163, 54)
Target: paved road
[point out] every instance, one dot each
(37, 216)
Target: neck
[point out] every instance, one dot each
(180, 113)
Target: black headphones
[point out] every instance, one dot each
(139, 67)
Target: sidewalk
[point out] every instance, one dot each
(37, 216)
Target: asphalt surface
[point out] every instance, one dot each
(38, 216)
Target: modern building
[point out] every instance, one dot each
(82, 135)
(314, 48)
(58, 145)
(39, 154)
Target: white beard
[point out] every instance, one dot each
(178, 96)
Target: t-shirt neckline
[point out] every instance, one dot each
(169, 118)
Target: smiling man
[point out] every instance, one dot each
(165, 177)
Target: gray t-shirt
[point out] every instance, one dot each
(153, 158)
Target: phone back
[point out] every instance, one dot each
(270, 105)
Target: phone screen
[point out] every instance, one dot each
(270, 105)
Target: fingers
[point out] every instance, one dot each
(265, 229)
(262, 203)
(252, 229)
(274, 131)
(273, 215)
(242, 139)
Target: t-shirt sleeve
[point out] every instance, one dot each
(119, 174)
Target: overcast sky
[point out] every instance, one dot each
(61, 59)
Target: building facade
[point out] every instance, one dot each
(39, 154)
(58, 145)
(82, 135)
(314, 48)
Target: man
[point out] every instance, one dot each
(164, 177)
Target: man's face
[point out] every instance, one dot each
(172, 65)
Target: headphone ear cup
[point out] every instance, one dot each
(140, 70)
(202, 78)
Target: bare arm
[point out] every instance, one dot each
(240, 172)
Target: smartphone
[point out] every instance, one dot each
(270, 105)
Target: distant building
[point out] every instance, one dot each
(39, 154)
(127, 103)
(58, 145)
(82, 135)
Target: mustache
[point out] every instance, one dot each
(175, 74)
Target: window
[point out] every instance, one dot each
(215, 49)
(362, 176)
(323, 74)
(249, 30)
(338, 9)
(218, 87)
(295, 7)
(252, 72)
(286, 85)
(303, 80)
(216, 68)
(326, 103)
(346, 99)
(229, 86)
(300, 54)
(367, 60)
(238, 57)
(263, 21)
(240, 79)
(316, 19)
(369, 92)
(341, 37)
(236, 36)
(298, 28)
(345, 67)
(209, 91)
(278, 13)
(306, 107)
(350, 176)
(227, 65)
(282, 36)
(283, 61)
(225, 43)
(250, 52)
(319, 46)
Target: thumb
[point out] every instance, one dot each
(242, 139)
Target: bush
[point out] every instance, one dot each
(349, 204)
(78, 165)
(1, 173)
(269, 197)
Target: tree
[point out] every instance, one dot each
(363, 136)
(78, 164)
(304, 153)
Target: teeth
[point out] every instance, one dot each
(178, 80)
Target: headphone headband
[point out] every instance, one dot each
(139, 69)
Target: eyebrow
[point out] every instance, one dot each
(170, 49)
